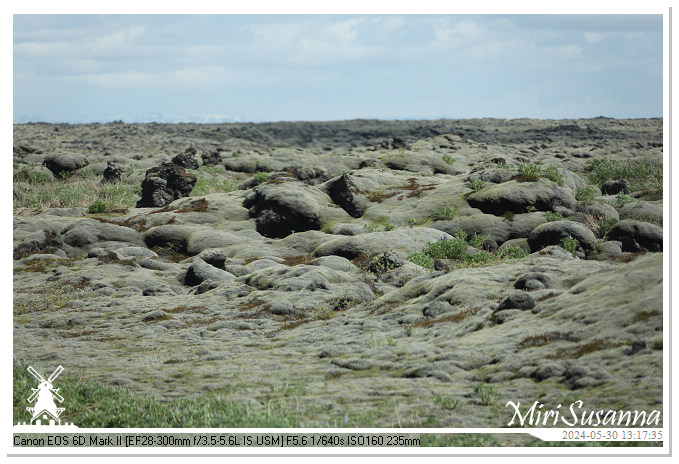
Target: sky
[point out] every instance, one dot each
(227, 68)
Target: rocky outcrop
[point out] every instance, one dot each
(65, 163)
(515, 197)
(552, 233)
(637, 236)
(345, 194)
(284, 206)
(187, 159)
(164, 184)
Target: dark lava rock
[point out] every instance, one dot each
(345, 194)
(65, 163)
(309, 176)
(164, 184)
(613, 187)
(518, 300)
(212, 158)
(551, 233)
(187, 160)
(282, 207)
(637, 236)
(112, 174)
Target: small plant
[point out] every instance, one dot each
(372, 227)
(569, 244)
(443, 214)
(421, 259)
(553, 216)
(621, 199)
(554, 175)
(487, 393)
(448, 159)
(454, 248)
(412, 222)
(97, 207)
(512, 252)
(585, 194)
(409, 330)
(478, 184)
(261, 177)
(446, 402)
(459, 233)
(529, 171)
(387, 226)
(322, 313)
(530, 209)
(391, 342)
(476, 241)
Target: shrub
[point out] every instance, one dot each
(459, 233)
(412, 222)
(621, 199)
(554, 175)
(530, 208)
(530, 171)
(261, 177)
(585, 194)
(552, 216)
(476, 241)
(454, 248)
(97, 207)
(444, 214)
(478, 184)
(448, 159)
(421, 259)
(569, 244)
(387, 226)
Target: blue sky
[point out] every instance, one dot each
(214, 68)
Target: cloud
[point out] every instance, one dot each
(204, 76)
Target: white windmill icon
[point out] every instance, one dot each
(45, 407)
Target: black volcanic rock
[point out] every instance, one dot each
(164, 184)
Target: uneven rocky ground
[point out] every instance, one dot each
(407, 273)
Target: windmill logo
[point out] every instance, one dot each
(45, 408)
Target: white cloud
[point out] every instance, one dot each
(203, 76)
(594, 37)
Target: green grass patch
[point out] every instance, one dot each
(642, 174)
(207, 185)
(553, 216)
(443, 214)
(95, 405)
